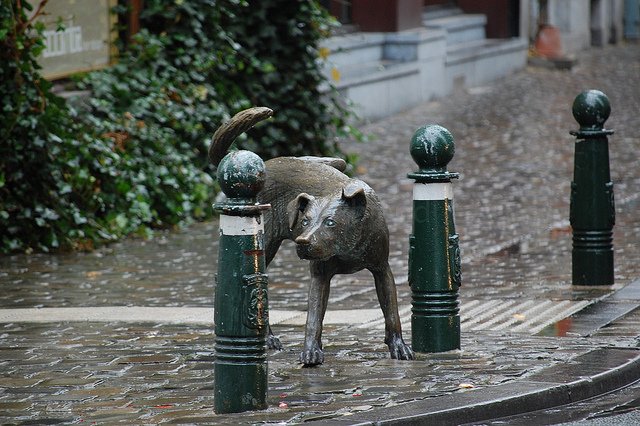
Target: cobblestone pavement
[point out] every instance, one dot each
(515, 157)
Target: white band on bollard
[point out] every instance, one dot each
(432, 191)
(241, 225)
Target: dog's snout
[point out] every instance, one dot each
(303, 240)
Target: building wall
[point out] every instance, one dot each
(631, 19)
(529, 12)
(573, 18)
(502, 16)
(607, 21)
(582, 23)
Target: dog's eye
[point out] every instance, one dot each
(304, 222)
(329, 222)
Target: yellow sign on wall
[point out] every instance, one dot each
(78, 36)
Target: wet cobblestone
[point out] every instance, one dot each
(164, 373)
(515, 157)
(175, 384)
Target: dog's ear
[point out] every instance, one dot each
(298, 206)
(354, 193)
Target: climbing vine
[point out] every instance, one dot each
(131, 157)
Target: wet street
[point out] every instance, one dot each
(520, 314)
(621, 408)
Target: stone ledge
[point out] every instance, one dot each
(552, 387)
(467, 52)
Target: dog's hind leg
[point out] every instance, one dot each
(386, 291)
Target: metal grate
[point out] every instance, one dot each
(530, 316)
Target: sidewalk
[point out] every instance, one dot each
(125, 334)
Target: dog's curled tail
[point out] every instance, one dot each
(229, 131)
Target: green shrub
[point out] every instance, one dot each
(259, 53)
(36, 205)
(132, 157)
(70, 180)
(278, 66)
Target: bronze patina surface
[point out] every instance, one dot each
(337, 224)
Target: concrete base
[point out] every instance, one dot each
(480, 62)
(384, 73)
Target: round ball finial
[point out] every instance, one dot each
(241, 174)
(591, 109)
(432, 147)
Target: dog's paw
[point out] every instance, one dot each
(400, 350)
(273, 342)
(312, 356)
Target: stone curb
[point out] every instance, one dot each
(595, 373)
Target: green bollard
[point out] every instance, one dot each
(434, 253)
(592, 211)
(241, 304)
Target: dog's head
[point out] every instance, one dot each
(328, 226)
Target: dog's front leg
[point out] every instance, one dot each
(387, 297)
(317, 306)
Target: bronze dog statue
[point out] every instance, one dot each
(336, 223)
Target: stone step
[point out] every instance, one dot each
(349, 49)
(473, 50)
(379, 88)
(460, 28)
(439, 11)
(479, 62)
(364, 72)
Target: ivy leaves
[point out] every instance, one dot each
(131, 157)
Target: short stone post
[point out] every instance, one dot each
(241, 304)
(592, 210)
(434, 253)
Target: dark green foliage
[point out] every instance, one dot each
(278, 66)
(36, 201)
(256, 53)
(131, 157)
(66, 180)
